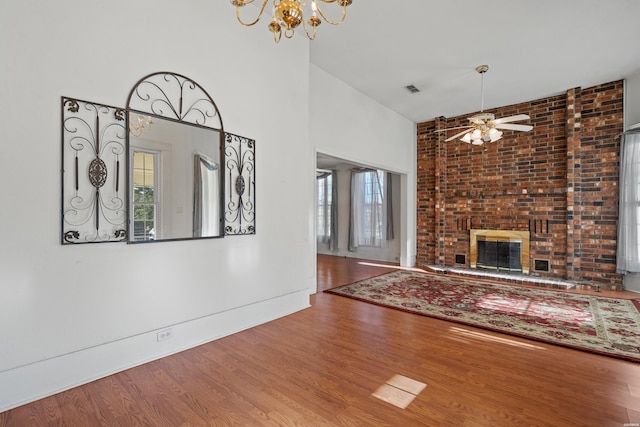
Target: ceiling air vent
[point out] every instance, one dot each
(412, 89)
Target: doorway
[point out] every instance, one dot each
(388, 249)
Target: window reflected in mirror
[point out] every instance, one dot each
(145, 202)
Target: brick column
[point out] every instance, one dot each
(574, 205)
(440, 191)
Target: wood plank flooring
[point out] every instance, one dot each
(320, 366)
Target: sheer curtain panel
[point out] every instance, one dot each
(368, 210)
(327, 197)
(628, 254)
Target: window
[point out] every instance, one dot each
(325, 203)
(368, 208)
(145, 195)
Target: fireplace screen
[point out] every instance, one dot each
(502, 250)
(499, 254)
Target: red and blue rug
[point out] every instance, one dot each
(608, 326)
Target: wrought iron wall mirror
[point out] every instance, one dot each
(175, 144)
(155, 170)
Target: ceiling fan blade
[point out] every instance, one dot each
(509, 126)
(457, 135)
(511, 118)
(453, 128)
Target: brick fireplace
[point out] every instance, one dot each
(558, 183)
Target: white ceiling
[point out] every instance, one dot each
(534, 49)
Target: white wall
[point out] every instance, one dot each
(70, 314)
(346, 124)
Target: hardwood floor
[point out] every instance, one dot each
(320, 366)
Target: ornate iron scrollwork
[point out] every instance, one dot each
(93, 148)
(175, 97)
(240, 195)
(97, 172)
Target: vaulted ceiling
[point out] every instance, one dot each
(534, 49)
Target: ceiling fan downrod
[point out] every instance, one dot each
(482, 69)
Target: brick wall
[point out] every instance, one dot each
(559, 181)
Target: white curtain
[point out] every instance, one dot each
(389, 202)
(333, 240)
(368, 209)
(628, 255)
(327, 197)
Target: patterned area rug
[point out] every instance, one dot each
(607, 326)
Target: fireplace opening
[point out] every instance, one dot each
(499, 254)
(501, 250)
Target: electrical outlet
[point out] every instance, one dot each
(165, 334)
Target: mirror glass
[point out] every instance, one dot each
(175, 189)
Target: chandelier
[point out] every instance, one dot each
(139, 124)
(287, 15)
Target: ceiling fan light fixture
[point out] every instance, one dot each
(484, 127)
(494, 135)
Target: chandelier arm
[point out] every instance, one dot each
(306, 30)
(264, 4)
(344, 15)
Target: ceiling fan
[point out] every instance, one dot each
(484, 127)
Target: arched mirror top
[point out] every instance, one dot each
(174, 97)
(175, 147)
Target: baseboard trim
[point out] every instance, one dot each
(36, 381)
